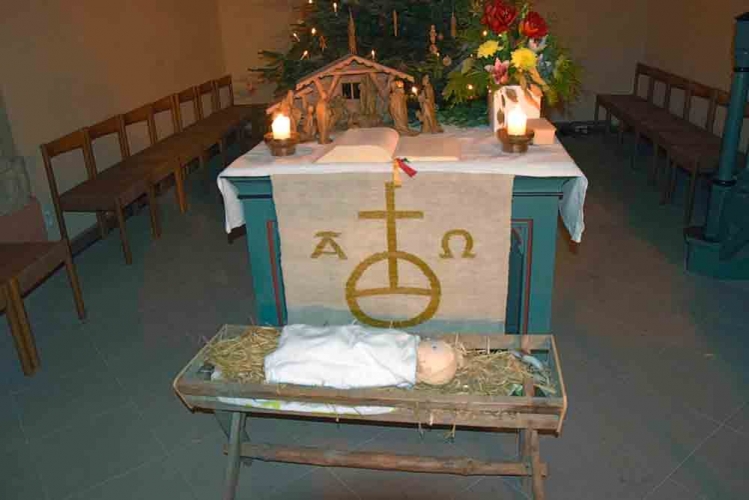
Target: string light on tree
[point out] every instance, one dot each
(305, 54)
(395, 22)
(313, 31)
(372, 54)
(335, 8)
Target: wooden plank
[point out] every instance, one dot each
(536, 466)
(234, 452)
(437, 418)
(326, 457)
(398, 398)
(557, 369)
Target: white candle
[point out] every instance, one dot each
(516, 121)
(281, 127)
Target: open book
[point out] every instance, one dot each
(371, 145)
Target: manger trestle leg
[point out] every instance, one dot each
(233, 460)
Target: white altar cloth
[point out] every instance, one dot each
(481, 154)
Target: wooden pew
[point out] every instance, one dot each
(688, 145)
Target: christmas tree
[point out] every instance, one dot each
(467, 47)
(395, 33)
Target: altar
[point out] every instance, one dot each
(547, 185)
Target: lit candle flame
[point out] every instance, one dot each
(335, 7)
(281, 127)
(313, 31)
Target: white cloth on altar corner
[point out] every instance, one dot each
(481, 153)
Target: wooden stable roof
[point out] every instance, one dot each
(338, 67)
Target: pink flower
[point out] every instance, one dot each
(499, 71)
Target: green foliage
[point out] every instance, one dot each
(460, 83)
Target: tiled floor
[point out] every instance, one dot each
(655, 362)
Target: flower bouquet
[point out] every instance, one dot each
(508, 43)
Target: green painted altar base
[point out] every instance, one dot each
(535, 208)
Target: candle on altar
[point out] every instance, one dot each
(281, 127)
(516, 121)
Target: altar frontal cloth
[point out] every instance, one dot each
(429, 255)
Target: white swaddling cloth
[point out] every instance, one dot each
(343, 357)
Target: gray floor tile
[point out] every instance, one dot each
(19, 479)
(172, 422)
(154, 480)
(11, 433)
(45, 406)
(740, 420)
(718, 469)
(671, 490)
(493, 487)
(319, 484)
(373, 484)
(93, 450)
(203, 464)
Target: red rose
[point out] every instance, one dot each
(498, 16)
(533, 26)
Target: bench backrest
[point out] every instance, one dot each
(207, 89)
(142, 114)
(225, 83)
(73, 141)
(111, 126)
(189, 95)
(167, 104)
(693, 92)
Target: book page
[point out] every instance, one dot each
(429, 147)
(362, 145)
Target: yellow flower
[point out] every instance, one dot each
(488, 48)
(524, 59)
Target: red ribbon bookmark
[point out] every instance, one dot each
(407, 169)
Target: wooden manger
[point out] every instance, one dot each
(527, 415)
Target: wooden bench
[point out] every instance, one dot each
(692, 147)
(526, 416)
(139, 174)
(22, 267)
(109, 191)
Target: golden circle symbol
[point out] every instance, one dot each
(434, 291)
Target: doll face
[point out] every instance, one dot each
(437, 362)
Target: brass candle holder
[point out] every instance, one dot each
(515, 143)
(282, 147)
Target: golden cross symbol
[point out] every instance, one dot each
(392, 255)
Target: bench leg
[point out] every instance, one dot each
(75, 285)
(653, 177)
(692, 191)
(123, 232)
(233, 461)
(595, 111)
(179, 189)
(635, 148)
(222, 150)
(608, 123)
(672, 181)
(18, 322)
(153, 209)
(101, 221)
